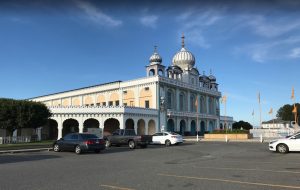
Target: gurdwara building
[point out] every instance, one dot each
(171, 98)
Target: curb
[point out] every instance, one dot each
(223, 140)
(25, 150)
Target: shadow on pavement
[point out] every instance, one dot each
(14, 158)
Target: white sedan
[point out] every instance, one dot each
(290, 143)
(167, 138)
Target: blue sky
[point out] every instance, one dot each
(250, 46)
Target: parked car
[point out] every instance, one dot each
(290, 143)
(128, 137)
(167, 138)
(79, 142)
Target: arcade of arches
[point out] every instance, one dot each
(71, 125)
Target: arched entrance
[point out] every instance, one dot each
(90, 123)
(70, 126)
(182, 127)
(193, 128)
(129, 124)
(110, 125)
(170, 125)
(202, 128)
(141, 127)
(50, 131)
(151, 127)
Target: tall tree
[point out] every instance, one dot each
(242, 124)
(285, 112)
(15, 114)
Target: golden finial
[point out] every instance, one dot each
(182, 40)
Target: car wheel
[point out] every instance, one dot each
(107, 144)
(77, 149)
(282, 148)
(168, 143)
(131, 144)
(56, 148)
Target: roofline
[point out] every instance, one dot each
(118, 81)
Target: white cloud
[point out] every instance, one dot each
(194, 24)
(271, 50)
(268, 27)
(96, 15)
(295, 53)
(149, 21)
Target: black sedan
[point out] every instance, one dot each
(79, 142)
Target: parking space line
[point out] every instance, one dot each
(249, 169)
(115, 187)
(231, 181)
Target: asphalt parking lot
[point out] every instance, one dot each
(203, 165)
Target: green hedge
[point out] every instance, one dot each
(235, 131)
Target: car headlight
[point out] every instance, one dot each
(272, 142)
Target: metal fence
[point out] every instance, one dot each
(272, 133)
(13, 140)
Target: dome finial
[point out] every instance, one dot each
(210, 72)
(155, 49)
(182, 40)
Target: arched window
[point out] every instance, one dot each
(202, 105)
(152, 72)
(211, 105)
(182, 101)
(192, 103)
(170, 99)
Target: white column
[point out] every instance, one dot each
(80, 121)
(177, 99)
(135, 125)
(59, 128)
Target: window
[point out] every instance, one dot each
(169, 99)
(125, 104)
(146, 88)
(131, 103)
(98, 104)
(147, 104)
(117, 102)
(110, 103)
(92, 104)
(125, 92)
(74, 137)
(104, 103)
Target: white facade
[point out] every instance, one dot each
(177, 98)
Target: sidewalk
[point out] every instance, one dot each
(201, 139)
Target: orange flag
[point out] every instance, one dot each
(293, 93)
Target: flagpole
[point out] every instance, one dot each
(259, 110)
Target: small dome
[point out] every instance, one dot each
(155, 58)
(184, 59)
(212, 78)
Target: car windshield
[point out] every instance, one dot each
(88, 136)
(172, 133)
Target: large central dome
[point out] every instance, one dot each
(184, 59)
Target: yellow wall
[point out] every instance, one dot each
(114, 97)
(76, 102)
(65, 103)
(145, 95)
(88, 100)
(100, 99)
(56, 103)
(128, 97)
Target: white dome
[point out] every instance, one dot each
(184, 59)
(155, 59)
